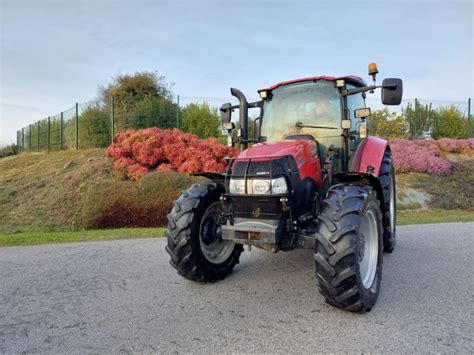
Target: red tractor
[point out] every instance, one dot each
(311, 178)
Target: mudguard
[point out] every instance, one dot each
(368, 156)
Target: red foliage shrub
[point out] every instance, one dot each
(138, 152)
(424, 155)
(453, 145)
(409, 156)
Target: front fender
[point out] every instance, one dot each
(368, 156)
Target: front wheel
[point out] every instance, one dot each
(349, 242)
(194, 236)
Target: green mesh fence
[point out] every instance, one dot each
(93, 124)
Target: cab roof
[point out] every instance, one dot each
(350, 79)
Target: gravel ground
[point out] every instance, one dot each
(124, 296)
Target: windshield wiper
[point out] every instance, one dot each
(300, 125)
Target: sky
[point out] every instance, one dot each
(54, 53)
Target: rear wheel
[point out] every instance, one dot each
(194, 236)
(348, 253)
(387, 180)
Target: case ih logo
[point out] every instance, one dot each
(256, 212)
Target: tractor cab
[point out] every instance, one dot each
(312, 109)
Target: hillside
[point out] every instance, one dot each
(70, 190)
(40, 191)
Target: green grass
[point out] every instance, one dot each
(40, 191)
(434, 216)
(43, 237)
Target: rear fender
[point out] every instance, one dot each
(368, 156)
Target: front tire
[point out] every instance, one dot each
(197, 251)
(349, 242)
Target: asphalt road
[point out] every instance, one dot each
(123, 296)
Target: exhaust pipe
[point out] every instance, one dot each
(243, 116)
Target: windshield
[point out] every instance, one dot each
(311, 103)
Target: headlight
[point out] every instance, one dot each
(279, 186)
(258, 186)
(237, 186)
(261, 187)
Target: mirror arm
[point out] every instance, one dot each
(256, 104)
(233, 107)
(354, 91)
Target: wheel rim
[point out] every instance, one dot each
(213, 247)
(392, 203)
(368, 248)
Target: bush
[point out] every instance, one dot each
(201, 119)
(387, 124)
(136, 153)
(449, 122)
(8, 150)
(410, 156)
(143, 203)
(454, 145)
(94, 128)
(424, 156)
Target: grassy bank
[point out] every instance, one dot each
(43, 237)
(35, 238)
(434, 216)
(40, 191)
(52, 198)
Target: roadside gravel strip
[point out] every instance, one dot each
(124, 296)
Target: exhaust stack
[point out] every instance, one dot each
(243, 116)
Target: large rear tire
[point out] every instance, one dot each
(349, 241)
(194, 242)
(387, 181)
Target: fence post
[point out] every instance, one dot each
(415, 119)
(112, 120)
(49, 133)
(23, 139)
(77, 126)
(469, 122)
(29, 139)
(177, 113)
(38, 136)
(61, 132)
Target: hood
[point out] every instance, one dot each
(295, 148)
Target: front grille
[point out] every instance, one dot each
(263, 167)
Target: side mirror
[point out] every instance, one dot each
(392, 91)
(226, 112)
(362, 112)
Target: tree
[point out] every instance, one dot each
(387, 124)
(142, 91)
(153, 111)
(139, 84)
(200, 119)
(420, 119)
(449, 122)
